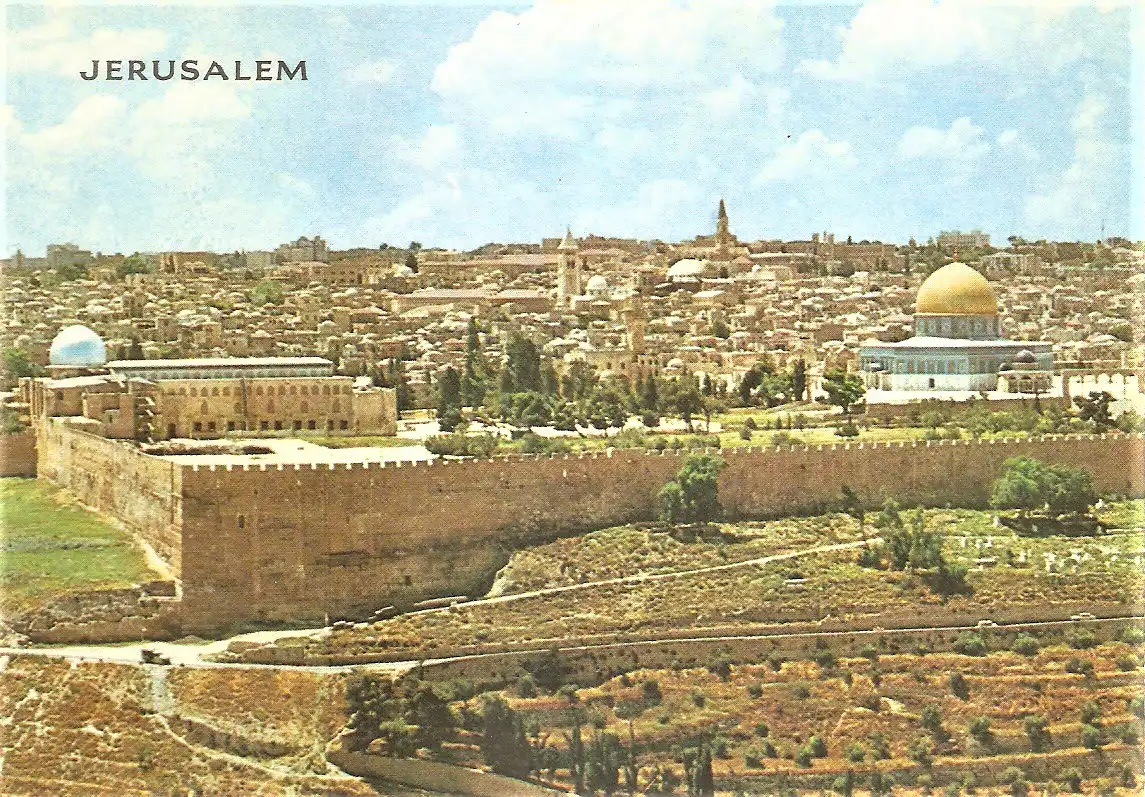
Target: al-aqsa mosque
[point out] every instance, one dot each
(958, 343)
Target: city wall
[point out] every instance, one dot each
(18, 454)
(294, 543)
(142, 492)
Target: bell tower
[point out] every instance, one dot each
(568, 270)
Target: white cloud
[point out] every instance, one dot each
(558, 68)
(888, 37)
(812, 155)
(962, 142)
(1078, 197)
(92, 125)
(441, 144)
(55, 47)
(377, 72)
(1008, 138)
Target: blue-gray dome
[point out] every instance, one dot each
(77, 346)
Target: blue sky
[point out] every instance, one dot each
(458, 124)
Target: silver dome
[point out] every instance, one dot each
(77, 346)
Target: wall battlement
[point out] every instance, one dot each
(609, 453)
(292, 542)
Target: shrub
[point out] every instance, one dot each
(824, 658)
(970, 643)
(753, 758)
(931, 718)
(800, 690)
(761, 729)
(959, 687)
(1082, 639)
(1026, 645)
(650, 690)
(803, 757)
(979, 728)
(1080, 667)
(755, 690)
(1090, 712)
(526, 687)
(1133, 635)
(1127, 662)
(699, 700)
(856, 753)
(1092, 737)
(721, 666)
(1137, 706)
(1016, 779)
(1037, 731)
(920, 751)
(817, 747)
(1071, 779)
(880, 749)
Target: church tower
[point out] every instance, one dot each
(568, 270)
(724, 237)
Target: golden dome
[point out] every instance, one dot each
(956, 289)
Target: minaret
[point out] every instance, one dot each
(723, 235)
(568, 270)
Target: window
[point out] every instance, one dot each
(296, 425)
(214, 391)
(263, 425)
(311, 425)
(211, 426)
(343, 425)
(294, 390)
(226, 391)
(407, 580)
(278, 426)
(282, 390)
(198, 427)
(258, 390)
(230, 426)
(241, 521)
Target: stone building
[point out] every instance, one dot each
(304, 250)
(202, 398)
(958, 343)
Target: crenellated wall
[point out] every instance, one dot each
(293, 543)
(143, 492)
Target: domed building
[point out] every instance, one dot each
(77, 346)
(958, 343)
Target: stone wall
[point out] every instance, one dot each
(18, 454)
(304, 541)
(114, 478)
(295, 543)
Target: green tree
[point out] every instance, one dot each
(267, 291)
(503, 743)
(132, 264)
(449, 399)
(798, 380)
(523, 364)
(1030, 485)
(1037, 731)
(17, 364)
(843, 390)
(1094, 408)
(693, 495)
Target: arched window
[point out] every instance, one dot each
(203, 408)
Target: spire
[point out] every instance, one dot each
(568, 242)
(723, 214)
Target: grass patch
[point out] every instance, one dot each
(50, 546)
